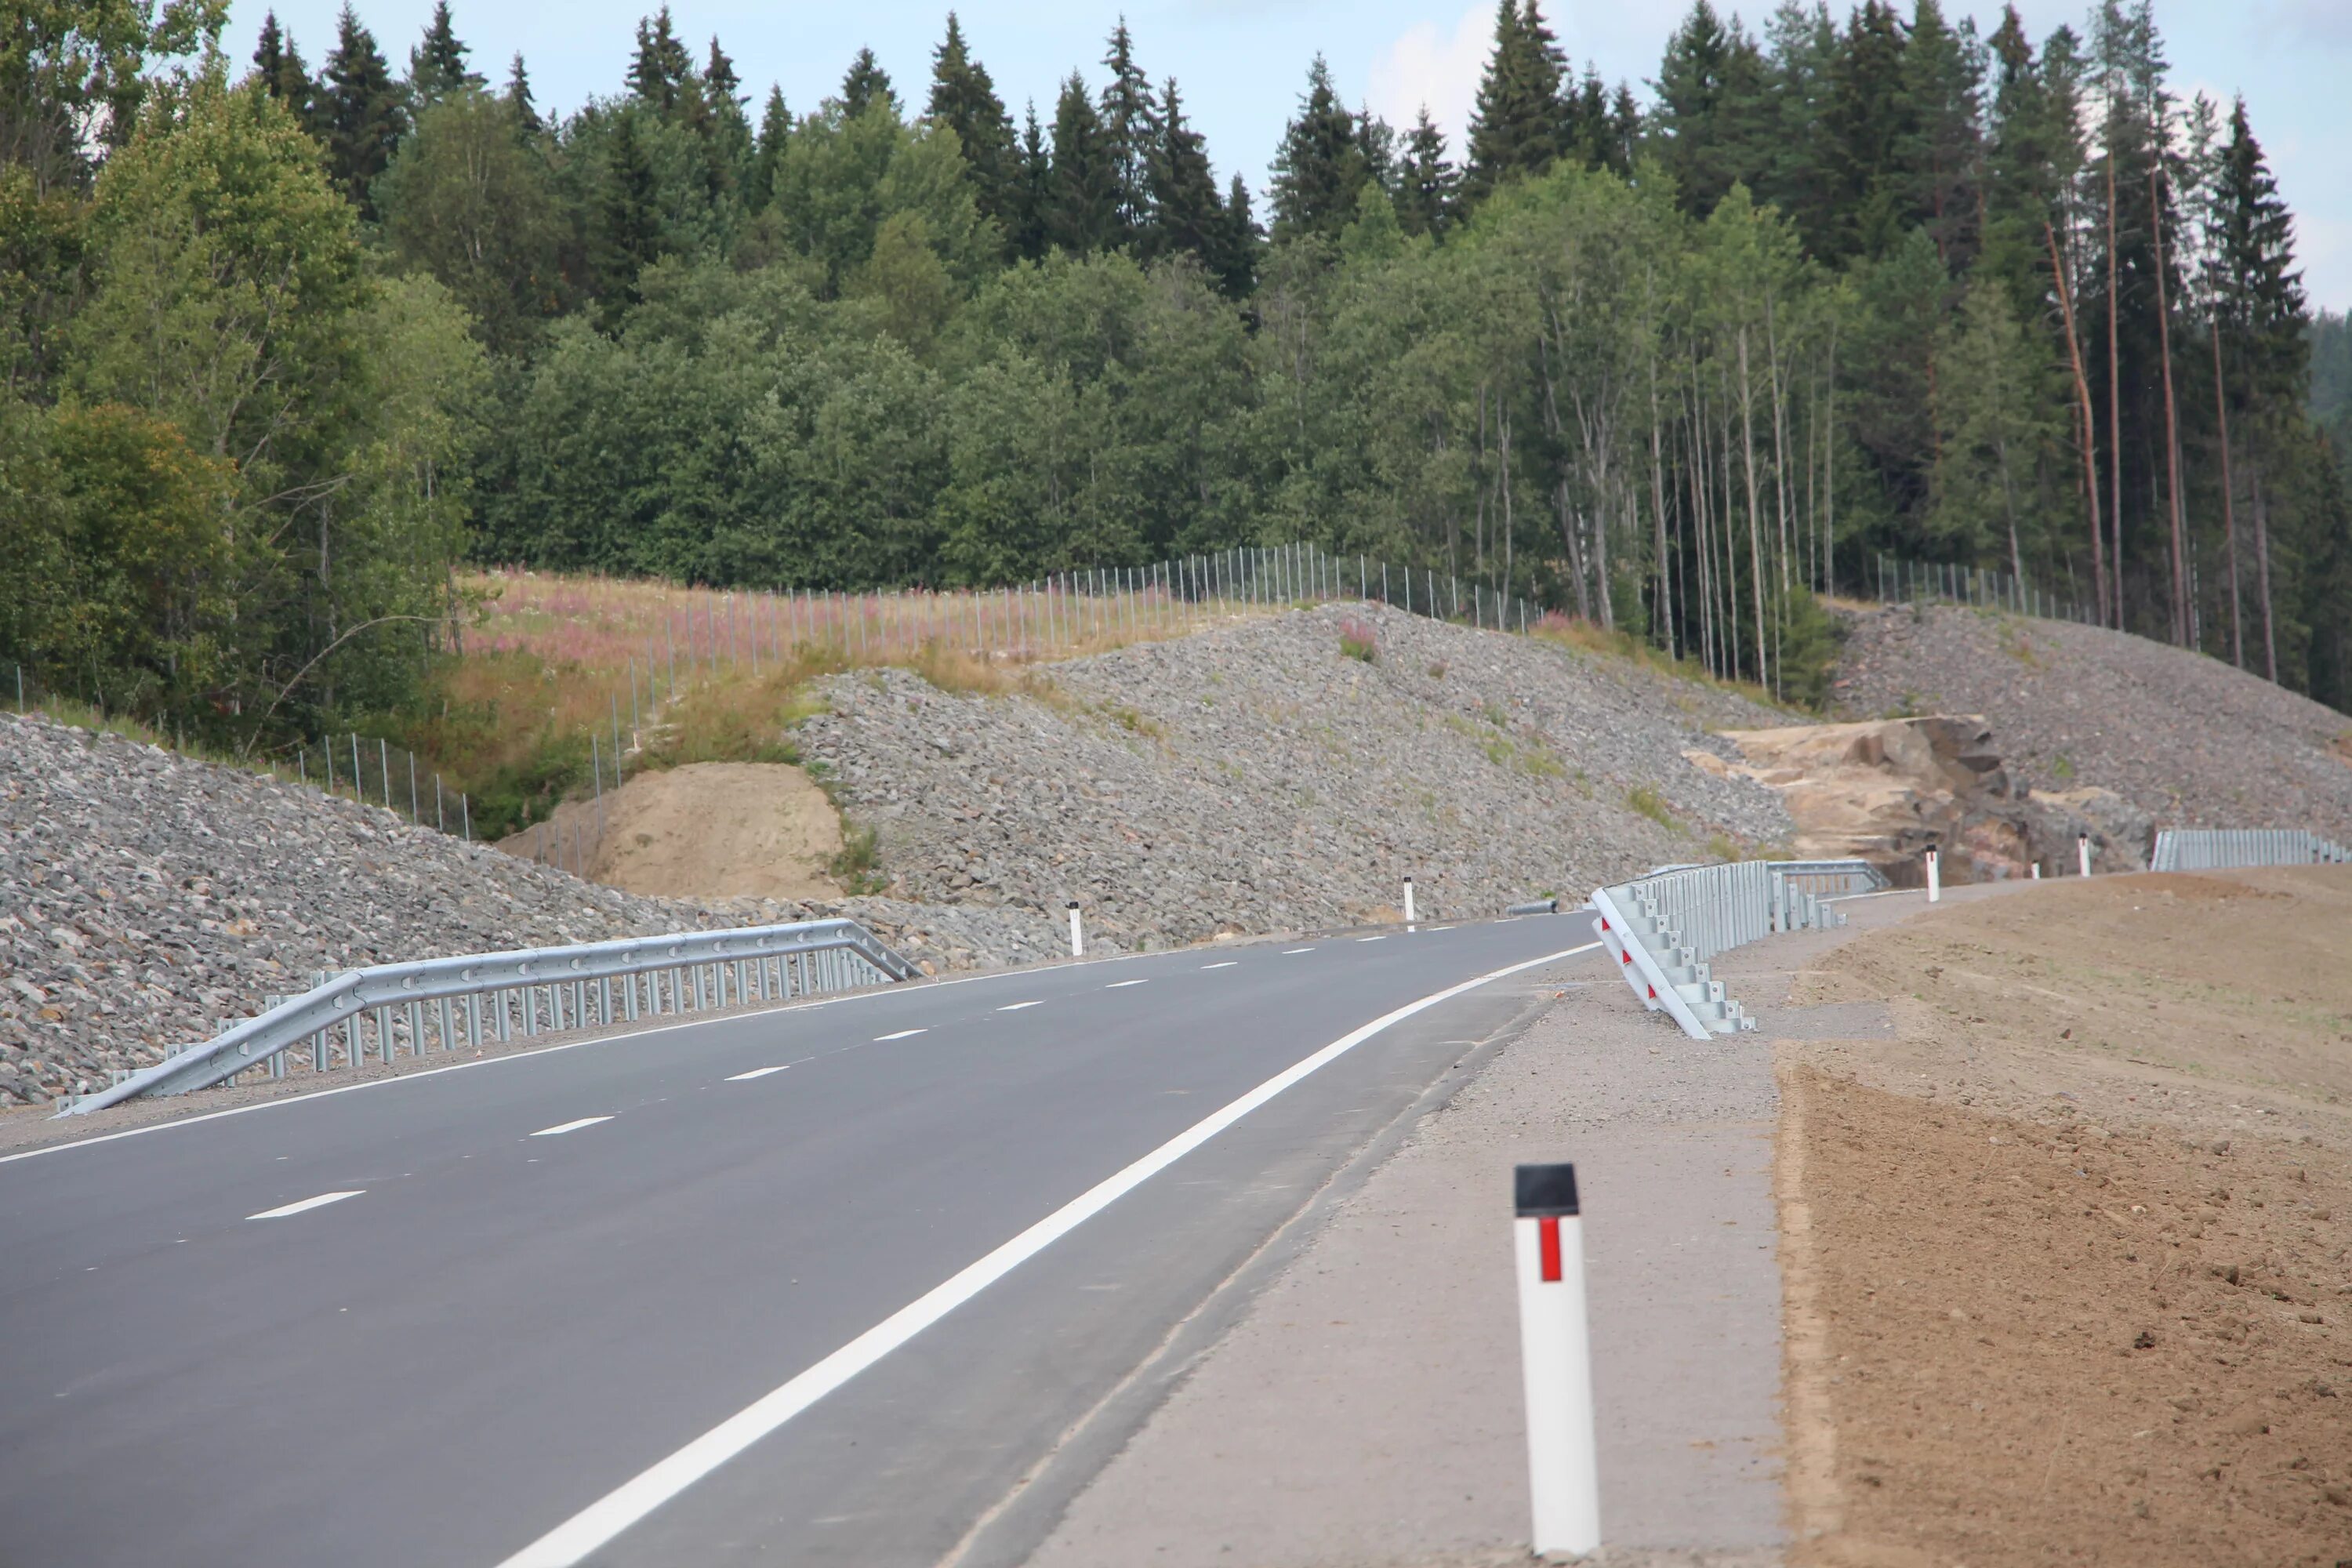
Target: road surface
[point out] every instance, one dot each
(821, 1284)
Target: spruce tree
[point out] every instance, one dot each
(1129, 133)
(519, 96)
(1320, 163)
(1516, 124)
(360, 112)
(1711, 111)
(1427, 184)
(1025, 237)
(1873, 126)
(1941, 150)
(660, 72)
(437, 66)
(714, 111)
(629, 236)
(1186, 215)
(865, 84)
(964, 98)
(278, 65)
(1234, 266)
(1081, 212)
(767, 151)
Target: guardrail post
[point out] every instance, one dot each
(1556, 1361)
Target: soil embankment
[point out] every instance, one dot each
(2067, 1257)
(704, 830)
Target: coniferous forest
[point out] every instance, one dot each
(286, 343)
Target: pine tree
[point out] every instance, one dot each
(1319, 166)
(768, 152)
(1081, 213)
(1129, 133)
(1515, 128)
(360, 112)
(1427, 185)
(518, 96)
(1186, 214)
(437, 67)
(661, 72)
(865, 84)
(964, 100)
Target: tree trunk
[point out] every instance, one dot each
(2228, 505)
(1664, 591)
(2181, 622)
(2263, 575)
(1755, 531)
(2089, 422)
(2115, 400)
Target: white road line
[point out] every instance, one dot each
(321, 1201)
(1383, 937)
(1123, 985)
(1228, 963)
(745, 1076)
(1016, 1006)
(562, 1128)
(1288, 951)
(604, 1519)
(901, 1035)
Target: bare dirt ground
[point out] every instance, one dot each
(2068, 1260)
(704, 830)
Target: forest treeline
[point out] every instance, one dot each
(284, 344)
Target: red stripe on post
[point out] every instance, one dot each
(1548, 1234)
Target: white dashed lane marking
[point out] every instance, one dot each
(901, 1035)
(756, 1072)
(321, 1201)
(1016, 1006)
(1123, 985)
(1228, 963)
(561, 1128)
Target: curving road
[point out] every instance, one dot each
(820, 1285)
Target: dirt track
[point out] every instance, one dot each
(2067, 1265)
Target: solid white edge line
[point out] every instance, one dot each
(321, 1201)
(561, 1128)
(755, 1072)
(901, 1035)
(604, 1519)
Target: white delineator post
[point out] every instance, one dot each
(2037, 870)
(2083, 851)
(1935, 877)
(1078, 932)
(1408, 900)
(1563, 1461)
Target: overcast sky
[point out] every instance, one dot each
(1240, 62)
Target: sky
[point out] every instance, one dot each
(1243, 63)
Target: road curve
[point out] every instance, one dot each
(460, 1317)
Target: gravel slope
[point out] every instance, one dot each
(1254, 778)
(2190, 740)
(148, 898)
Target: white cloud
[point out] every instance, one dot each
(1428, 69)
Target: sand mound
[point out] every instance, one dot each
(706, 830)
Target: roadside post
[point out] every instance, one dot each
(1408, 900)
(1556, 1361)
(1935, 877)
(2037, 870)
(1077, 933)
(2083, 851)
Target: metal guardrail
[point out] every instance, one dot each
(1662, 929)
(456, 1004)
(2219, 850)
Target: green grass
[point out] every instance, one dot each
(1651, 804)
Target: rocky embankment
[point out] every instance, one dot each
(2186, 739)
(148, 898)
(1256, 777)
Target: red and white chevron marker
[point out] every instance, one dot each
(1563, 1473)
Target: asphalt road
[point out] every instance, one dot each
(555, 1270)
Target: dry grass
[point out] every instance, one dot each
(1584, 636)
